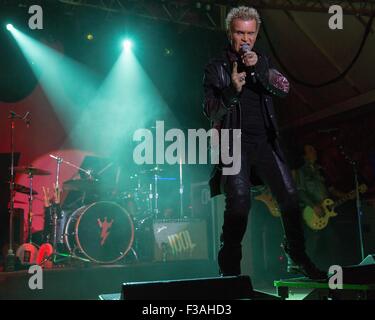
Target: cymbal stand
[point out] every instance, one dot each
(156, 198)
(30, 213)
(55, 208)
(181, 192)
(88, 172)
(150, 198)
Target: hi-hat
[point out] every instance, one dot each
(153, 170)
(32, 171)
(84, 185)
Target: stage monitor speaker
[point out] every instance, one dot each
(219, 288)
(370, 259)
(363, 273)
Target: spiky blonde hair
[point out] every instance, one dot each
(243, 13)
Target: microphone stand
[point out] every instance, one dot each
(354, 165)
(10, 260)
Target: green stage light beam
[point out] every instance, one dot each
(68, 85)
(126, 101)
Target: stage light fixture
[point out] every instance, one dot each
(168, 52)
(127, 44)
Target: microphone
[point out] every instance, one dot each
(328, 130)
(245, 48)
(26, 118)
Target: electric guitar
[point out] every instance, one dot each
(319, 222)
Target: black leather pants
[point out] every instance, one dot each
(266, 164)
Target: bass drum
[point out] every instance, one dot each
(103, 232)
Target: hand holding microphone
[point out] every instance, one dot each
(249, 59)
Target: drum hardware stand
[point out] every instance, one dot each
(150, 197)
(10, 258)
(55, 216)
(54, 209)
(354, 165)
(30, 213)
(65, 256)
(156, 208)
(181, 192)
(61, 160)
(135, 254)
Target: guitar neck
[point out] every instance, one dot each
(348, 196)
(342, 200)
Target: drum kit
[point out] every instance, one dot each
(103, 231)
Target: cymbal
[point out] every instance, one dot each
(22, 189)
(84, 185)
(153, 170)
(32, 171)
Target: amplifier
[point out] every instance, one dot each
(181, 239)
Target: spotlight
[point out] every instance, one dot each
(168, 52)
(127, 44)
(90, 37)
(9, 27)
(208, 7)
(198, 5)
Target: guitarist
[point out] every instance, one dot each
(312, 190)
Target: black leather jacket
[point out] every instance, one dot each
(221, 102)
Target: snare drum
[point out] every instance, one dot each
(103, 232)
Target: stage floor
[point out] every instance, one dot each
(88, 283)
(105, 282)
